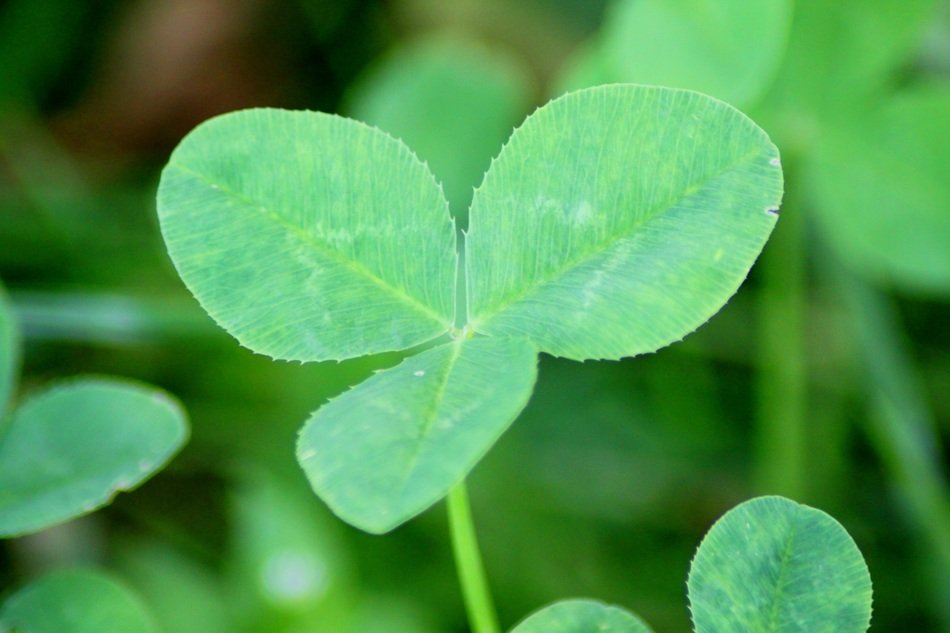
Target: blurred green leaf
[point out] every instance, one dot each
(183, 595)
(881, 188)
(9, 354)
(70, 449)
(618, 219)
(308, 236)
(771, 565)
(581, 616)
(726, 48)
(76, 601)
(451, 100)
(840, 53)
(392, 446)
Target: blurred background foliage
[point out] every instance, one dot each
(827, 378)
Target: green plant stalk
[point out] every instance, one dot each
(900, 425)
(468, 560)
(782, 382)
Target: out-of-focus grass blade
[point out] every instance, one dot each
(9, 353)
(900, 424)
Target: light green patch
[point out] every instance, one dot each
(184, 595)
(289, 563)
(881, 189)
(729, 49)
(840, 54)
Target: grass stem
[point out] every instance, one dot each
(782, 432)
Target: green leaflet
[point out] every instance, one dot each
(76, 601)
(618, 219)
(581, 616)
(729, 49)
(452, 101)
(880, 189)
(397, 443)
(771, 565)
(70, 449)
(308, 236)
(9, 354)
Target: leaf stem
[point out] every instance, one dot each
(468, 560)
(781, 452)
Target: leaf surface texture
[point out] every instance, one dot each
(618, 219)
(771, 565)
(398, 442)
(309, 236)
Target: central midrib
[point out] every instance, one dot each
(431, 414)
(779, 582)
(309, 240)
(654, 213)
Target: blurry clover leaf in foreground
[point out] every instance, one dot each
(75, 601)
(69, 449)
(771, 565)
(615, 221)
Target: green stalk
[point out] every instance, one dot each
(782, 381)
(468, 560)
